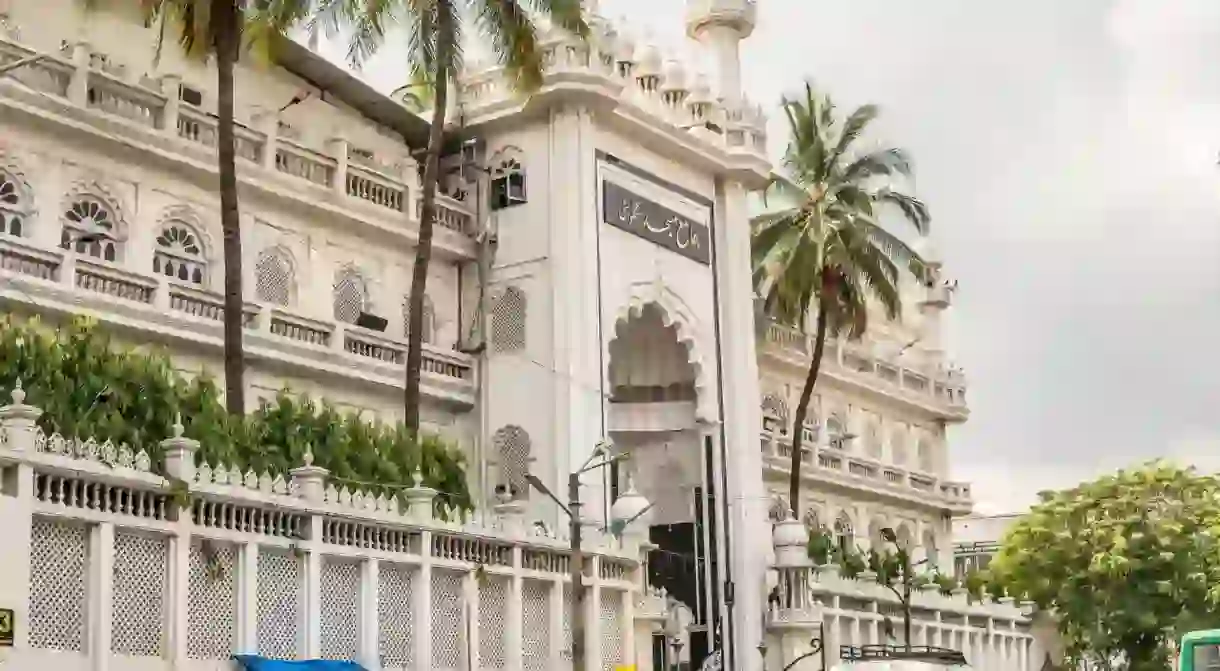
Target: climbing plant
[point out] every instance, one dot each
(90, 387)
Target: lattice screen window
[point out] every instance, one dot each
(279, 604)
(14, 206)
(493, 623)
(898, 446)
(273, 277)
(508, 318)
(429, 319)
(535, 625)
(90, 228)
(845, 534)
(212, 606)
(59, 558)
(350, 294)
(179, 254)
(565, 652)
(340, 594)
(140, 583)
(449, 622)
(395, 616)
(611, 615)
(512, 446)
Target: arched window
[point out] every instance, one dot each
(844, 532)
(812, 519)
(898, 446)
(927, 459)
(512, 446)
(904, 535)
(778, 512)
(428, 322)
(873, 440)
(875, 538)
(508, 318)
(836, 430)
(929, 547)
(91, 227)
(274, 279)
(179, 254)
(507, 178)
(14, 205)
(350, 295)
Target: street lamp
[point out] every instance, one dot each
(632, 509)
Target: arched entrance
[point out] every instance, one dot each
(654, 383)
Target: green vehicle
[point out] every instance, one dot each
(1200, 651)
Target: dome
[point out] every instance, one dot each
(674, 76)
(649, 60)
(624, 48)
(628, 509)
(701, 92)
(789, 533)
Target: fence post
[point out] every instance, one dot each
(419, 510)
(19, 431)
(180, 465)
(101, 594)
(370, 576)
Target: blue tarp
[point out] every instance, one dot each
(256, 663)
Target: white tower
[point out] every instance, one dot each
(720, 26)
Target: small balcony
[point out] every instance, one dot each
(930, 386)
(826, 465)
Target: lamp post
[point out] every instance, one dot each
(634, 506)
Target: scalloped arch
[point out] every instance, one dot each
(188, 215)
(674, 312)
(12, 165)
(98, 189)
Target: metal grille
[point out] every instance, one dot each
(59, 557)
(493, 621)
(137, 607)
(212, 609)
(279, 604)
(512, 445)
(611, 616)
(395, 608)
(508, 314)
(535, 625)
(349, 296)
(449, 622)
(273, 278)
(340, 594)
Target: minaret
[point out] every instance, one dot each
(720, 26)
(938, 297)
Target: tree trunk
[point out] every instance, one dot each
(427, 215)
(802, 408)
(228, 41)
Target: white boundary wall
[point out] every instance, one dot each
(103, 573)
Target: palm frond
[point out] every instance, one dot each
(883, 163)
(514, 39)
(914, 209)
(855, 126)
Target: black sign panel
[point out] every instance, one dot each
(7, 625)
(659, 225)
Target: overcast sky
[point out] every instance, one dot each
(1068, 150)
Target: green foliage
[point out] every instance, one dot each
(1127, 562)
(945, 583)
(821, 546)
(851, 563)
(88, 387)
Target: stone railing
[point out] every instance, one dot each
(117, 560)
(837, 466)
(810, 600)
(33, 274)
(609, 60)
(943, 388)
(153, 106)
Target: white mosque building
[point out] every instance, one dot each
(611, 207)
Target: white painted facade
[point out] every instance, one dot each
(594, 333)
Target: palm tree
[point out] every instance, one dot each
(435, 30)
(217, 28)
(828, 253)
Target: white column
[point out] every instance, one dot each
(556, 613)
(628, 620)
(422, 594)
(101, 588)
(247, 610)
(739, 367)
(179, 589)
(593, 623)
(16, 511)
(313, 590)
(470, 585)
(515, 647)
(370, 576)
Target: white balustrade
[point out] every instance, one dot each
(116, 561)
